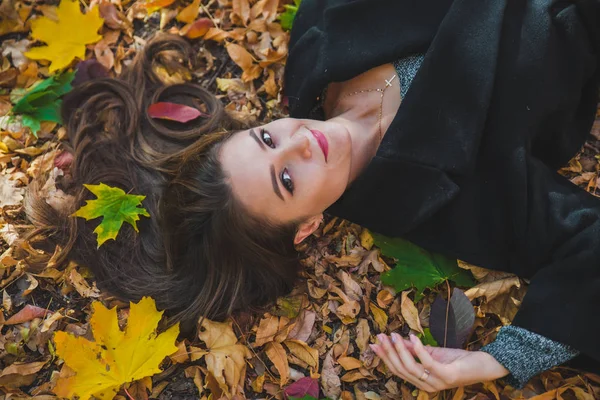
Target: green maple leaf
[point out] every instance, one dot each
(428, 339)
(416, 267)
(42, 102)
(287, 17)
(115, 206)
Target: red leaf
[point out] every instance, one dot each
(27, 313)
(197, 28)
(302, 387)
(173, 112)
(63, 160)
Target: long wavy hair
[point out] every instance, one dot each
(200, 253)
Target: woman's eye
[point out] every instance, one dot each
(266, 138)
(286, 180)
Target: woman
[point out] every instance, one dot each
(495, 95)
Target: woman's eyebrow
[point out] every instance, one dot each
(275, 185)
(260, 143)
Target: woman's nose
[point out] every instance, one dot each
(300, 144)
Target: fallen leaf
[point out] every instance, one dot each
(384, 298)
(88, 70)
(155, 5)
(493, 289)
(113, 18)
(225, 358)
(276, 354)
(62, 45)
(27, 313)
(363, 334)
(15, 49)
(115, 357)
(189, 13)
(42, 101)
(241, 9)
(410, 313)
(351, 287)
(10, 195)
(304, 325)
(81, 285)
(304, 352)
(267, 329)
(20, 368)
(330, 380)
(173, 112)
(380, 317)
(417, 267)
(115, 207)
(182, 355)
(287, 17)
(197, 29)
(306, 386)
(349, 363)
(455, 329)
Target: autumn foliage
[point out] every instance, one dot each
(61, 336)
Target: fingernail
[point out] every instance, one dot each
(412, 337)
(373, 347)
(381, 337)
(394, 337)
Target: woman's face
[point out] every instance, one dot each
(289, 169)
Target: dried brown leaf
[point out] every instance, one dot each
(81, 285)
(330, 380)
(241, 10)
(363, 334)
(276, 354)
(304, 352)
(349, 363)
(410, 313)
(267, 329)
(493, 289)
(380, 317)
(189, 13)
(19, 368)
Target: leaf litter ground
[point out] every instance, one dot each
(313, 342)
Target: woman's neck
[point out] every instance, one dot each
(360, 112)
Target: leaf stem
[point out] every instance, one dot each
(447, 312)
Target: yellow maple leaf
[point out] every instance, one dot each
(65, 39)
(225, 358)
(115, 357)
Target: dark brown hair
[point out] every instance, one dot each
(200, 253)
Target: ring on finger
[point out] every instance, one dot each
(425, 375)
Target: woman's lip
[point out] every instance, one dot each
(322, 140)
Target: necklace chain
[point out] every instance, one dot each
(388, 83)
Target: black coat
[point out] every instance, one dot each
(507, 93)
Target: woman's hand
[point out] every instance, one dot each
(439, 368)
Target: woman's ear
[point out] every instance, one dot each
(308, 227)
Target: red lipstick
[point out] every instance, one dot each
(322, 140)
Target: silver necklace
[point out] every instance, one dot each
(388, 83)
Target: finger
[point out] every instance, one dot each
(415, 370)
(424, 356)
(410, 364)
(381, 353)
(392, 356)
